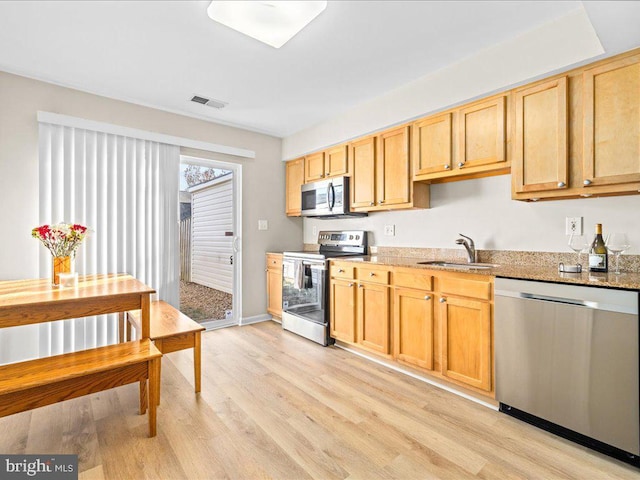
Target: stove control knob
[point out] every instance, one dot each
(350, 237)
(357, 237)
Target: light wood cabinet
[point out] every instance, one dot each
(337, 161)
(381, 173)
(612, 123)
(274, 284)
(437, 321)
(294, 178)
(466, 341)
(314, 167)
(540, 158)
(359, 304)
(482, 133)
(342, 310)
(432, 144)
(602, 134)
(373, 317)
(466, 142)
(363, 174)
(329, 163)
(413, 327)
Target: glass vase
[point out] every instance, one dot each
(60, 265)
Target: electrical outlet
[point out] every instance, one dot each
(390, 230)
(263, 225)
(573, 226)
(228, 314)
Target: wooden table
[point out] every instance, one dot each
(25, 302)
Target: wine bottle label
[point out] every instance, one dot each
(598, 261)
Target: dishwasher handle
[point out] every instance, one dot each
(566, 301)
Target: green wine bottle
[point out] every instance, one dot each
(598, 258)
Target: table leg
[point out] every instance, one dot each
(145, 313)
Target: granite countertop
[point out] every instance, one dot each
(523, 271)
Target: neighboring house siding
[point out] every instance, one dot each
(211, 248)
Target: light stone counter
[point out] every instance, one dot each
(541, 266)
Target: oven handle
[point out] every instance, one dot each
(315, 266)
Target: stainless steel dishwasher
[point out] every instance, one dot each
(567, 361)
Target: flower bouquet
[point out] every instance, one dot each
(62, 240)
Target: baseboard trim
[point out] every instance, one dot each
(216, 324)
(255, 319)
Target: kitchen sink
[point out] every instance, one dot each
(470, 266)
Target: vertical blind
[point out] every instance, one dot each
(126, 191)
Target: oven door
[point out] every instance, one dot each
(304, 289)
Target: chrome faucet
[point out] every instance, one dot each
(472, 256)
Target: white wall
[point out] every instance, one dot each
(263, 177)
(482, 209)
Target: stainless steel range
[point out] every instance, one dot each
(305, 278)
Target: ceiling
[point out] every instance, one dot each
(161, 53)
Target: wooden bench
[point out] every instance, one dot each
(36, 383)
(171, 330)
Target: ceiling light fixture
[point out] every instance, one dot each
(271, 22)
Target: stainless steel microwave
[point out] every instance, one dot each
(327, 198)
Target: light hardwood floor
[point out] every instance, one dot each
(274, 405)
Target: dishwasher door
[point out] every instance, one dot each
(568, 354)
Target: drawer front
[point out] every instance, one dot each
(413, 279)
(274, 261)
(341, 270)
(373, 275)
(465, 287)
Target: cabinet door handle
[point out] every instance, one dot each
(351, 285)
(447, 167)
(561, 184)
(322, 175)
(371, 274)
(381, 202)
(460, 164)
(340, 270)
(360, 286)
(587, 182)
(372, 203)
(443, 300)
(266, 269)
(427, 297)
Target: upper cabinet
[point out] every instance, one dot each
(540, 157)
(432, 144)
(314, 167)
(381, 173)
(482, 133)
(328, 163)
(612, 123)
(578, 134)
(294, 178)
(467, 142)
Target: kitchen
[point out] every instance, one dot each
(470, 207)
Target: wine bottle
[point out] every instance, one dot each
(598, 259)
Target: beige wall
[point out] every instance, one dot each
(263, 177)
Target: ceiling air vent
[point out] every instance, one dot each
(209, 102)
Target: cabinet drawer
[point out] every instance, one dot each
(414, 278)
(465, 287)
(274, 261)
(342, 271)
(373, 275)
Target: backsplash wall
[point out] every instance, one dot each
(483, 210)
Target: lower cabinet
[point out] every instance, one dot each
(342, 310)
(466, 341)
(413, 327)
(274, 284)
(437, 321)
(359, 306)
(373, 317)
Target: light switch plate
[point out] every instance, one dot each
(263, 225)
(390, 230)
